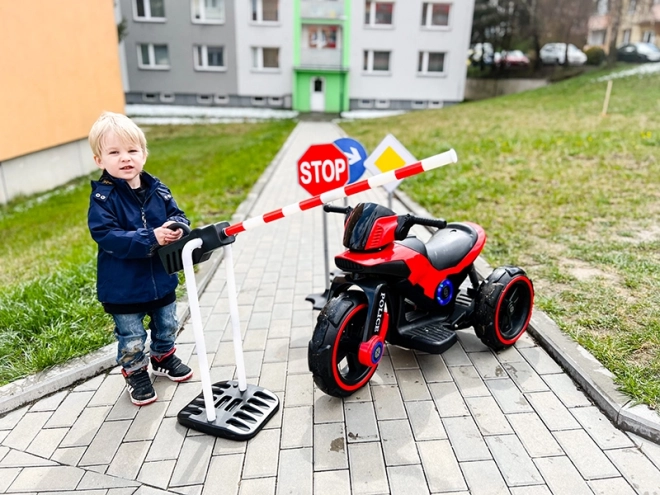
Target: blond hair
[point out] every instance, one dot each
(123, 127)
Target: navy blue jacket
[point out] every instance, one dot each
(129, 270)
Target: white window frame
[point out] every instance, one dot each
(429, 15)
(632, 7)
(258, 101)
(260, 59)
(202, 65)
(381, 104)
(275, 101)
(627, 33)
(149, 97)
(365, 103)
(202, 13)
(260, 14)
(167, 97)
(370, 64)
(436, 104)
(418, 104)
(221, 99)
(372, 15)
(147, 12)
(204, 99)
(425, 65)
(152, 57)
(648, 36)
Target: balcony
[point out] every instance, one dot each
(313, 58)
(322, 9)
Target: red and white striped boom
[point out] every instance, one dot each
(430, 163)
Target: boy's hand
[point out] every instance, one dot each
(166, 236)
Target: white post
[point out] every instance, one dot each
(606, 103)
(235, 321)
(196, 317)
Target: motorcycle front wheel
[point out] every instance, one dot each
(333, 351)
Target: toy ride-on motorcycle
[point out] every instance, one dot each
(395, 288)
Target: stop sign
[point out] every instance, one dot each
(322, 168)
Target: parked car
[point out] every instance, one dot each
(638, 52)
(512, 58)
(479, 51)
(555, 53)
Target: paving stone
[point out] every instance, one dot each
(649, 448)
(188, 490)
(147, 490)
(398, 443)
(12, 418)
(456, 356)
(636, 469)
(407, 480)
(534, 435)
(330, 451)
(512, 459)
(224, 476)
(508, 396)
(412, 385)
(36, 479)
(566, 390)
(7, 477)
(360, 422)
(470, 342)
(540, 360)
(299, 390)
(295, 472)
(332, 483)
(46, 442)
(448, 399)
(425, 421)
(441, 467)
(259, 486)
(388, 402)
(68, 456)
(468, 381)
(146, 422)
(327, 409)
(384, 373)
(3, 452)
(128, 460)
(488, 416)
(26, 430)
(68, 411)
(125, 409)
(193, 461)
(586, 455)
(553, 413)
(509, 355)
(402, 358)
(600, 429)
(91, 385)
(361, 395)
(157, 473)
(276, 350)
(297, 361)
(465, 438)
(561, 476)
(296, 427)
(183, 395)
(611, 486)
(273, 376)
(484, 478)
(109, 391)
(487, 365)
(262, 455)
(49, 403)
(87, 425)
(525, 377)
(531, 490)
(122, 491)
(16, 458)
(224, 446)
(367, 469)
(167, 441)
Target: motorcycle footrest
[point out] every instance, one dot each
(430, 337)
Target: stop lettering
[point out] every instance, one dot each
(322, 168)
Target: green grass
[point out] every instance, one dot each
(569, 195)
(48, 307)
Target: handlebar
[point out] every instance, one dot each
(405, 223)
(337, 209)
(179, 225)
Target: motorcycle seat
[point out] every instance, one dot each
(448, 246)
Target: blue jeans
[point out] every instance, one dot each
(131, 336)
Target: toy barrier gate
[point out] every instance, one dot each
(234, 409)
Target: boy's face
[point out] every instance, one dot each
(122, 160)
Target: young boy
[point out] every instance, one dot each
(129, 211)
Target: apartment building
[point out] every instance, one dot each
(60, 69)
(640, 21)
(308, 55)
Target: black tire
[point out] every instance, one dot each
(503, 307)
(333, 351)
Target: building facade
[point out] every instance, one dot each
(308, 55)
(48, 103)
(640, 21)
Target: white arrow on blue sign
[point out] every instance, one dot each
(355, 154)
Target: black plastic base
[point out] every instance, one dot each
(319, 300)
(427, 335)
(239, 415)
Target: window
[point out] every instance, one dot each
(208, 11)
(626, 36)
(221, 99)
(265, 10)
(378, 13)
(167, 97)
(382, 103)
(152, 56)
(209, 57)
(435, 104)
(632, 6)
(265, 58)
(435, 14)
(648, 37)
(149, 10)
(431, 63)
(149, 97)
(376, 61)
(275, 101)
(418, 105)
(322, 37)
(602, 6)
(258, 101)
(365, 103)
(204, 99)
(597, 37)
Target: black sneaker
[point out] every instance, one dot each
(171, 366)
(139, 387)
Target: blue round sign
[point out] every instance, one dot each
(355, 155)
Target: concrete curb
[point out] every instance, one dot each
(33, 387)
(594, 379)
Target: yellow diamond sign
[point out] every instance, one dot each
(389, 155)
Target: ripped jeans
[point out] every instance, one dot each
(131, 336)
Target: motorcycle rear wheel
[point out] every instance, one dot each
(333, 351)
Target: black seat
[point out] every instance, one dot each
(449, 246)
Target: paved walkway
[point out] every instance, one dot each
(469, 421)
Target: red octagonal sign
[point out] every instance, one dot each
(322, 168)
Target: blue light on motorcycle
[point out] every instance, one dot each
(445, 292)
